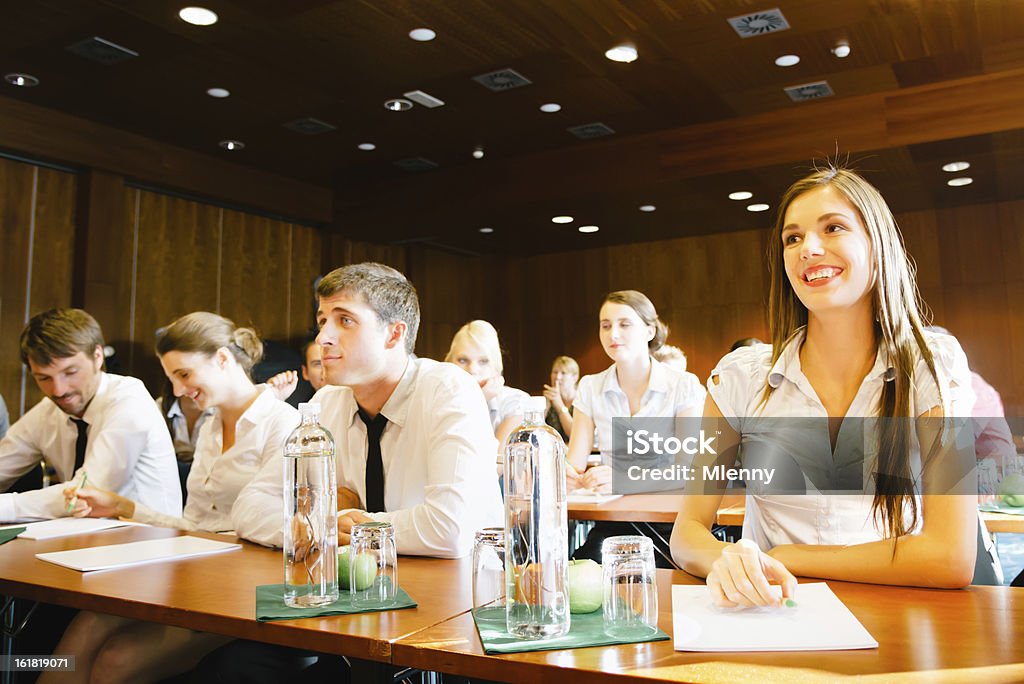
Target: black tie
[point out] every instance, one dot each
(80, 442)
(374, 462)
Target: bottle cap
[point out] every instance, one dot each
(532, 404)
(309, 408)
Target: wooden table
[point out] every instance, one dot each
(217, 593)
(978, 631)
(663, 508)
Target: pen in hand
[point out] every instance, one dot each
(74, 499)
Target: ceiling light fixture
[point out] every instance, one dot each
(787, 60)
(625, 53)
(198, 16)
(953, 167)
(562, 219)
(478, 152)
(551, 108)
(959, 182)
(398, 105)
(841, 50)
(588, 229)
(758, 207)
(740, 195)
(218, 92)
(486, 229)
(367, 147)
(422, 34)
(647, 208)
(22, 80)
(232, 145)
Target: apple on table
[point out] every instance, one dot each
(586, 586)
(363, 567)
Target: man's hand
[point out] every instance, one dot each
(283, 384)
(346, 521)
(348, 499)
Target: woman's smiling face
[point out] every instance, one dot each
(827, 251)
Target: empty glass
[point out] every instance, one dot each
(489, 568)
(373, 565)
(630, 587)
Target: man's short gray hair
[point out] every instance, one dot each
(384, 289)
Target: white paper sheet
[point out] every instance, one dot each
(818, 622)
(135, 553)
(586, 496)
(68, 527)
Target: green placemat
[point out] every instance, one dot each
(10, 533)
(270, 605)
(1001, 508)
(585, 630)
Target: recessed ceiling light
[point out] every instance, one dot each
(398, 105)
(198, 16)
(953, 167)
(622, 53)
(485, 229)
(561, 219)
(551, 107)
(758, 207)
(232, 145)
(841, 50)
(957, 182)
(367, 147)
(22, 80)
(787, 60)
(740, 195)
(218, 92)
(647, 208)
(422, 34)
(588, 229)
(478, 152)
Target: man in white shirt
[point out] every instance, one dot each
(432, 475)
(91, 424)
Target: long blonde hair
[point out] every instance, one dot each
(899, 315)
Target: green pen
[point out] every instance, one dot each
(74, 499)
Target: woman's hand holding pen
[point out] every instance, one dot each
(742, 577)
(98, 503)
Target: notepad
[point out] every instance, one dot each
(819, 622)
(67, 527)
(136, 553)
(585, 496)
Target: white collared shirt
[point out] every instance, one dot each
(438, 448)
(217, 476)
(128, 451)
(507, 402)
(668, 393)
(184, 443)
(810, 518)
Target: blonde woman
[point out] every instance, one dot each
(847, 342)
(208, 360)
(475, 348)
(565, 374)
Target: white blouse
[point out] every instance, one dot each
(601, 398)
(217, 476)
(737, 385)
(507, 402)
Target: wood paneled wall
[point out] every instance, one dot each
(712, 290)
(37, 233)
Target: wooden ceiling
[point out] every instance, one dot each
(339, 60)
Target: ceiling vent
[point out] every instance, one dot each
(809, 91)
(590, 130)
(503, 79)
(424, 99)
(309, 126)
(416, 164)
(102, 51)
(759, 23)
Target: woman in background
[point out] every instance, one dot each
(560, 394)
(475, 349)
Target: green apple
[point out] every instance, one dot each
(1012, 489)
(364, 565)
(586, 586)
